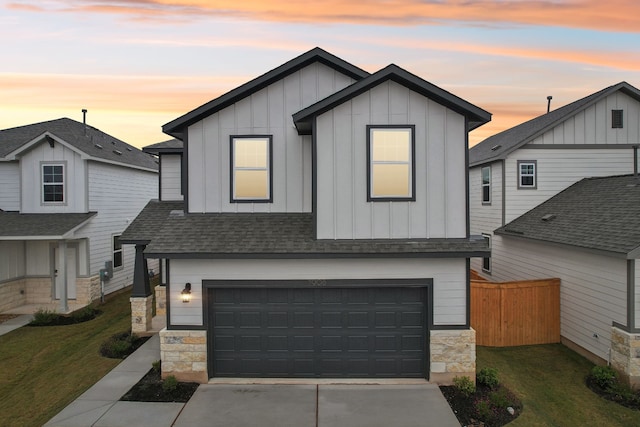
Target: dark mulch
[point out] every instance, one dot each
(5, 317)
(618, 393)
(149, 389)
(465, 408)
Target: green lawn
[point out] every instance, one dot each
(550, 381)
(43, 369)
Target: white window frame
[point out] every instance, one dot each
(484, 185)
(486, 261)
(268, 169)
(44, 184)
(115, 251)
(371, 196)
(534, 174)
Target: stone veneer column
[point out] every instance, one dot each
(141, 313)
(184, 355)
(453, 354)
(625, 355)
(161, 300)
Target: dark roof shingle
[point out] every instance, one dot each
(14, 224)
(594, 213)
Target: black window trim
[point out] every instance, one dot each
(411, 198)
(114, 250)
(270, 169)
(487, 259)
(482, 185)
(535, 175)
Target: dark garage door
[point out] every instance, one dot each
(318, 332)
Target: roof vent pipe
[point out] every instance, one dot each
(84, 119)
(549, 98)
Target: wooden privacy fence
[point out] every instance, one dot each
(516, 313)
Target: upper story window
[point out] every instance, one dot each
(486, 261)
(617, 118)
(390, 163)
(251, 169)
(486, 185)
(117, 252)
(53, 183)
(527, 174)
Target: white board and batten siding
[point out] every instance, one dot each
(118, 194)
(449, 279)
(10, 186)
(558, 169)
(439, 209)
(636, 278)
(484, 218)
(266, 112)
(593, 287)
(171, 177)
(12, 265)
(75, 186)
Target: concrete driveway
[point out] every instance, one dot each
(317, 406)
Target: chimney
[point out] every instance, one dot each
(84, 120)
(549, 98)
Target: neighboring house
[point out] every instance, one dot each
(67, 191)
(323, 231)
(519, 168)
(589, 236)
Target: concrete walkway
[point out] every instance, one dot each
(240, 405)
(15, 323)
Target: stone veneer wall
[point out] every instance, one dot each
(625, 355)
(12, 294)
(38, 290)
(161, 300)
(87, 289)
(141, 313)
(184, 355)
(453, 354)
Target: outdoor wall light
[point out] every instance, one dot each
(185, 295)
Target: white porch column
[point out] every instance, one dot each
(62, 272)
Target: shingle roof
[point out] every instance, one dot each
(277, 235)
(176, 127)
(476, 115)
(14, 224)
(170, 146)
(88, 139)
(498, 146)
(149, 221)
(595, 213)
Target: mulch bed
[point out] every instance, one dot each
(149, 389)
(620, 394)
(465, 407)
(5, 317)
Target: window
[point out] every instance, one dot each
(117, 252)
(390, 163)
(486, 262)
(616, 119)
(53, 183)
(486, 185)
(527, 174)
(251, 169)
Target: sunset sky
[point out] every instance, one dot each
(137, 64)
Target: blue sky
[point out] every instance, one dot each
(137, 64)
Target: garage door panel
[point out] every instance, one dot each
(318, 332)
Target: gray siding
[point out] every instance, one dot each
(11, 260)
(439, 208)
(9, 186)
(171, 178)
(449, 279)
(636, 278)
(592, 292)
(265, 112)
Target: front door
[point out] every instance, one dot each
(71, 273)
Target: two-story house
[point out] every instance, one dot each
(323, 229)
(67, 191)
(530, 198)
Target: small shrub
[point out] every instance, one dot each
(501, 398)
(484, 411)
(84, 314)
(156, 365)
(45, 317)
(465, 385)
(604, 377)
(120, 345)
(488, 377)
(170, 384)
